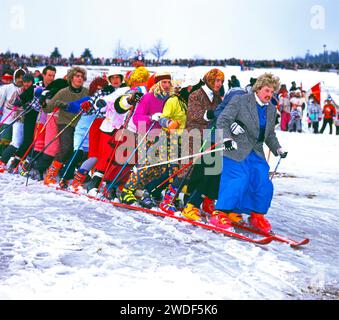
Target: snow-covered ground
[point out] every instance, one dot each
(55, 245)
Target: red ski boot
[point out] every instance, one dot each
(258, 221)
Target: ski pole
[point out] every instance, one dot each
(130, 157)
(111, 157)
(81, 143)
(37, 135)
(15, 120)
(13, 110)
(144, 158)
(179, 159)
(276, 168)
(48, 144)
(183, 168)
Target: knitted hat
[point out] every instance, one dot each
(28, 77)
(211, 76)
(162, 76)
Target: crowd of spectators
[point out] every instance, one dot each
(13, 61)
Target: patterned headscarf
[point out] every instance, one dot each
(211, 76)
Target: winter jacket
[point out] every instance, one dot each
(7, 97)
(65, 95)
(113, 119)
(314, 112)
(199, 102)
(285, 105)
(148, 105)
(295, 114)
(175, 110)
(329, 111)
(244, 108)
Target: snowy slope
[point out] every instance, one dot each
(57, 245)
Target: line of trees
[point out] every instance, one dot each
(158, 50)
(326, 57)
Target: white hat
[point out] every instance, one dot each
(115, 72)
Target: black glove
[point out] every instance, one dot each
(237, 127)
(46, 94)
(134, 98)
(62, 104)
(230, 145)
(282, 153)
(210, 114)
(108, 90)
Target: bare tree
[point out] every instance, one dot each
(158, 50)
(121, 52)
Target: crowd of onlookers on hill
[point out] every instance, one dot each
(14, 61)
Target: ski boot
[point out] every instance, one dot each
(93, 185)
(166, 204)
(52, 173)
(220, 220)
(191, 212)
(13, 165)
(146, 201)
(259, 222)
(127, 196)
(2, 167)
(79, 179)
(109, 194)
(208, 205)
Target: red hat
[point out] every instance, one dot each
(7, 78)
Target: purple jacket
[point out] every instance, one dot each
(147, 106)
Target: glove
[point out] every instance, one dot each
(209, 115)
(134, 97)
(282, 153)
(173, 124)
(230, 145)
(201, 83)
(38, 92)
(236, 128)
(86, 106)
(156, 116)
(170, 124)
(44, 95)
(62, 104)
(100, 103)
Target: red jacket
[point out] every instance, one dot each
(329, 111)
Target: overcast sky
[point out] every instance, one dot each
(250, 29)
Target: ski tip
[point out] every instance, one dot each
(301, 243)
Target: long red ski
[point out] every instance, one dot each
(277, 237)
(261, 241)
